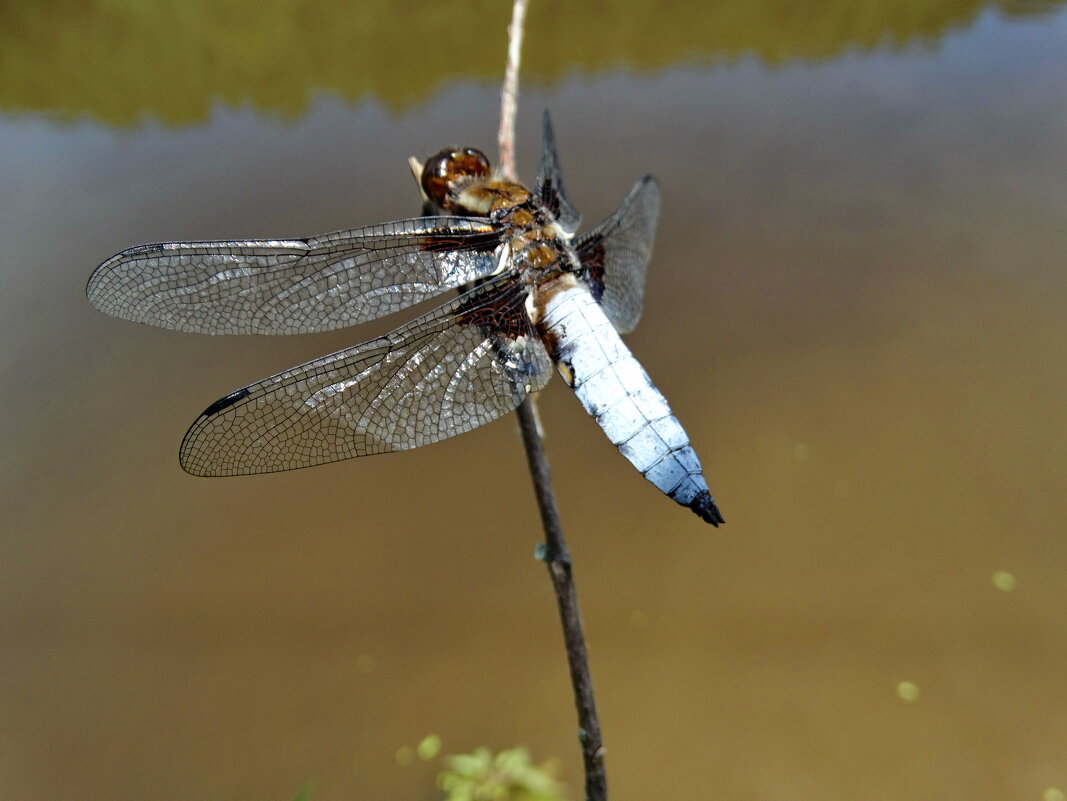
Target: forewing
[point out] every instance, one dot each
(447, 372)
(615, 254)
(294, 286)
(549, 187)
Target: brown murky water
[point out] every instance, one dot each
(858, 308)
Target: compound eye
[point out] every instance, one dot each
(441, 171)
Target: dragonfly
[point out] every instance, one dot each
(534, 297)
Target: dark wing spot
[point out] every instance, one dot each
(502, 311)
(481, 242)
(550, 197)
(225, 403)
(591, 255)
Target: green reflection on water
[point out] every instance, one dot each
(119, 61)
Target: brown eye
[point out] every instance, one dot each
(442, 170)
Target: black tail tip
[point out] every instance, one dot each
(704, 507)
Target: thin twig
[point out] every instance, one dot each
(509, 94)
(558, 560)
(555, 553)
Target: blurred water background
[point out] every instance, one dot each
(856, 307)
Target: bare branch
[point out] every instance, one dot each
(558, 560)
(509, 94)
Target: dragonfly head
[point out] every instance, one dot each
(444, 174)
(460, 181)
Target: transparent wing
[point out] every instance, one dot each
(549, 188)
(615, 254)
(294, 286)
(447, 372)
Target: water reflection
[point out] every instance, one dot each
(856, 308)
(122, 62)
